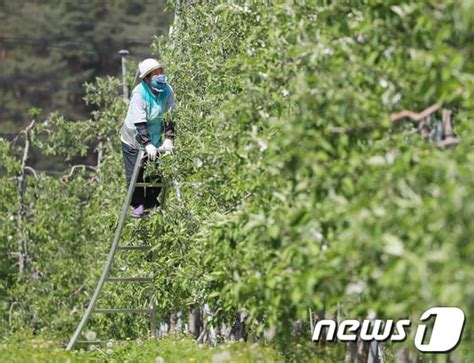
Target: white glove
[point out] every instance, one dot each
(167, 145)
(151, 151)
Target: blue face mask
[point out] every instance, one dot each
(158, 83)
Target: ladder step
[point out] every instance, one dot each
(124, 310)
(129, 279)
(149, 185)
(134, 248)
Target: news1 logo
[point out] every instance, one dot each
(445, 335)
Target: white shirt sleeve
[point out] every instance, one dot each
(137, 108)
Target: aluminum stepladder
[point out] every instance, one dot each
(115, 246)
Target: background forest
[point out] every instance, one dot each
(302, 185)
(48, 49)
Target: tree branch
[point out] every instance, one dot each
(31, 170)
(76, 292)
(75, 167)
(415, 116)
(24, 131)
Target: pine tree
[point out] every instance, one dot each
(49, 49)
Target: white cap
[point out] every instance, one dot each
(148, 65)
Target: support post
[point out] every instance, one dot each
(123, 54)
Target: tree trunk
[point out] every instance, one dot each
(22, 238)
(404, 356)
(194, 322)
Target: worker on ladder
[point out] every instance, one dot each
(143, 128)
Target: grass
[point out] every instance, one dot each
(24, 347)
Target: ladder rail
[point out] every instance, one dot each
(113, 249)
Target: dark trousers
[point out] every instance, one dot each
(149, 196)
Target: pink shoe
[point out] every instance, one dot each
(138, 212)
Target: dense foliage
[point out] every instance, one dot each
(298, 191)
(301, 192)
